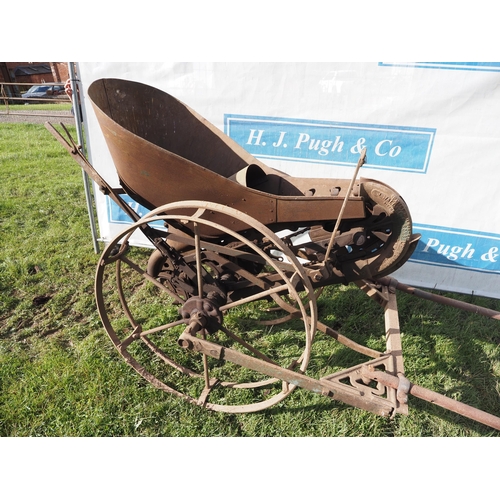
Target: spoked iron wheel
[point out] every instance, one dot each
(145, 299)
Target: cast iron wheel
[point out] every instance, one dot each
(388, 242)
(142, 311)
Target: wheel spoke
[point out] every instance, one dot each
(257, 296)
(161, 328)
(198, 260)
(168, 360)
(151, 279)
(247, 345)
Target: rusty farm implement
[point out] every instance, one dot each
(232, 239)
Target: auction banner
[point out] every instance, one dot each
(430, 130)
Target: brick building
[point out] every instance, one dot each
(33, 72)
(29, 73)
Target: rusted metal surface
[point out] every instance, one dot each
(406, 387)
(446, 301)
(253, 239)
(171, 143)
(157, 142)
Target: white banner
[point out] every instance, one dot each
(429, 129)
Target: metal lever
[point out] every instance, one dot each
(361, 161)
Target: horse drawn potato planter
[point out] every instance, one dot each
(232, 239)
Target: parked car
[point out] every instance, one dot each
(43, 92)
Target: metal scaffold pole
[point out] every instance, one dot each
(79, 132)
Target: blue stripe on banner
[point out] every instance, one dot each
(405, 149)
(464, 66)
(117, 216)
(457, 248)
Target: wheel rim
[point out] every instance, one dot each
(139, 316)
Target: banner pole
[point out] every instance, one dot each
(79, 133)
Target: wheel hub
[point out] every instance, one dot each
(205, 311)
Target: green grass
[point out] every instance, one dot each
(26, 108)
(61, 376)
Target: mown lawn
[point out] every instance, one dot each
(60, 375)
(26, 108)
